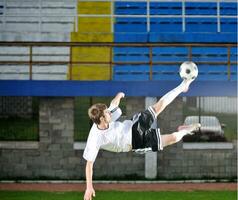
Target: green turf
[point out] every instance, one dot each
(195, 195)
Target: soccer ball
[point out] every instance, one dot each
(188, 70)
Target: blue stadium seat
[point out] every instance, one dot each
(228, 8)
(166, 25)
(178, 54)
(161, 25)
(233, 55)
(166, 72)
(130, 8)
(131, 54)
(130, 72)
(131, 37)
(228, 25)
(233, 67)
(201, 25)
(209, 54)
(233, 72)
(212, 72)
(165, 8)
(201, 8)
(130, 25)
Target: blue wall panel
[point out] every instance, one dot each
(97, 88)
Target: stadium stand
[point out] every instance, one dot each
(36, 21)
(134, 21)
(171, 18)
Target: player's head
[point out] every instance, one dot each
(99, 113)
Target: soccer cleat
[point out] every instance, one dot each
(191, 129)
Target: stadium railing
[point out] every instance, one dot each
(28, 58)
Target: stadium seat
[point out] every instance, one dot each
(200, 8)
(133, 54)
(130, 8)
(174, 54)
(166, 25)
(205, 25)
(165, 72)
(228, 8)
(165, 8)
(130, 72)
(126, 25)
(214, 54)
(229, 25)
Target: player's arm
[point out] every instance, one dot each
(116, 101)
(114, 106)
(89, 181)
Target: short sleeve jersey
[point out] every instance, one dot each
(116, 138)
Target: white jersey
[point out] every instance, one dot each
(116, 138)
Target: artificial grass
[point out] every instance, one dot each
(118, 195)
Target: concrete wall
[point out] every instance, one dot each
(54, 156)
(177, 162)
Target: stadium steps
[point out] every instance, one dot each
(25, 28)
(39, 72)
(48, 25)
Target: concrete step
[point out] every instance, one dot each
(34, 77)
(36, 69)
(37, 11)
(43, 3)
(39, 54)
(34, 36)
(36, 27)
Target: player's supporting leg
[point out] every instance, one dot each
(177, 136)
(170, 96)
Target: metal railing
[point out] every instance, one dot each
(112, 15)
(69, 62)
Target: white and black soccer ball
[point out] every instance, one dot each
(188, 70)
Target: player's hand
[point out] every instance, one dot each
(89, 193)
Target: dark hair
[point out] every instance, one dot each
(96, 111)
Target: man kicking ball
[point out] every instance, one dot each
(131, 135)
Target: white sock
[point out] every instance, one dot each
(170, 96)
(180, 134)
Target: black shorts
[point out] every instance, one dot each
(144, 137)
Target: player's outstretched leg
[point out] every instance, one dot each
(170, 96)
(177, 136)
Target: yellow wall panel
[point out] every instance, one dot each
(91, 37)
(91, 54)
(94, 7)
(93, 24)
(91, 72)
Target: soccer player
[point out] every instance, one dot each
(131, 135)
